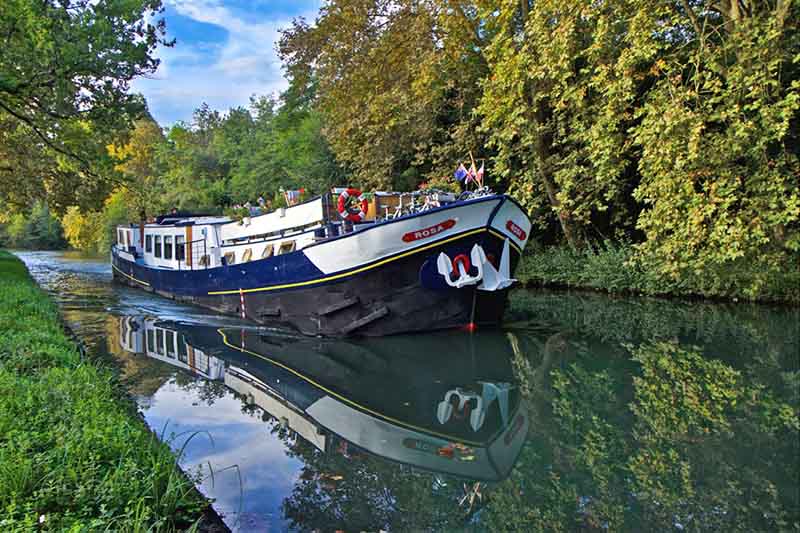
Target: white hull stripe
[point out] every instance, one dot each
(364, 268)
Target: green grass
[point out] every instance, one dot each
(611, 267)
(74, 454)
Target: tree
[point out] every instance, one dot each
(565, 85)
(395, 83)
(65, 73)
(137, 161)
(719, 145)
(195, 176)
(38, 229)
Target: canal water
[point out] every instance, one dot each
(584, 413)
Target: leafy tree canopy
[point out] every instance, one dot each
(65, 73)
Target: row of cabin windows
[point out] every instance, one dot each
(284, 248)
(180, 246)
(162, 342)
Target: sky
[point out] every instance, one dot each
(224, 53)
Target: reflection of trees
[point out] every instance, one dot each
(206, 390)
(351, 490)
(668, 438)
(739, 331)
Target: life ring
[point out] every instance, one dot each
(346, 213)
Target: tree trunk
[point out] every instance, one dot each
(543, 157)
(543, 154)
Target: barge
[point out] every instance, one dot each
(325, 268)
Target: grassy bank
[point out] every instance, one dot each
(74, 455)
(612, 268)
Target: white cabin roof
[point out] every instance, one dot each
(186, 221)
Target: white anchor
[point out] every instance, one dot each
(493, 279)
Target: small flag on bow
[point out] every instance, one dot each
(461, 172)
(479, 175)
(472, 173)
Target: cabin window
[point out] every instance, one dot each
(120, 238)
(183, 356)
(158, 246)
(170, 344)
(148, 244)
(230, 258)
(180, 248)
(167, 246)
(286, 247)
(151, 341)
(267, 253)
(248, 254)
(160, 341)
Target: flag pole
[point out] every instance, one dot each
(472, 160)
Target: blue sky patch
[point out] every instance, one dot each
(224, 54)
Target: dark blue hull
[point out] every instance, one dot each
(388, 296)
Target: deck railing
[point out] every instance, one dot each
(196, 259)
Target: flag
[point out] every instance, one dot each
(461, 172)
(472, 173)
(479, 175)
(292, 197)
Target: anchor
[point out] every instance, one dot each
(492, 278)
(460, 401)
(447, 266)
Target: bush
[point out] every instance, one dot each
(617, 267)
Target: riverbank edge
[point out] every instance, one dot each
(62, 353)
(610, 270)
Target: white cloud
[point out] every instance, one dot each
(222, 74)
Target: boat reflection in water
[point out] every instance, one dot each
(457, 413)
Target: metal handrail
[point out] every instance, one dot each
(198, 250)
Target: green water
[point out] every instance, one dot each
(596, 413)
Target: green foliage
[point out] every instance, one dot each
(565, 81)
(39, 229)
(65, 73)
(617, 267)
(95, 231)
(136, 161)
(719, 163)
(395, 82)
(73, 453)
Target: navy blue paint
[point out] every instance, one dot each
(275, 270)
(495, 210)
(282, 269)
